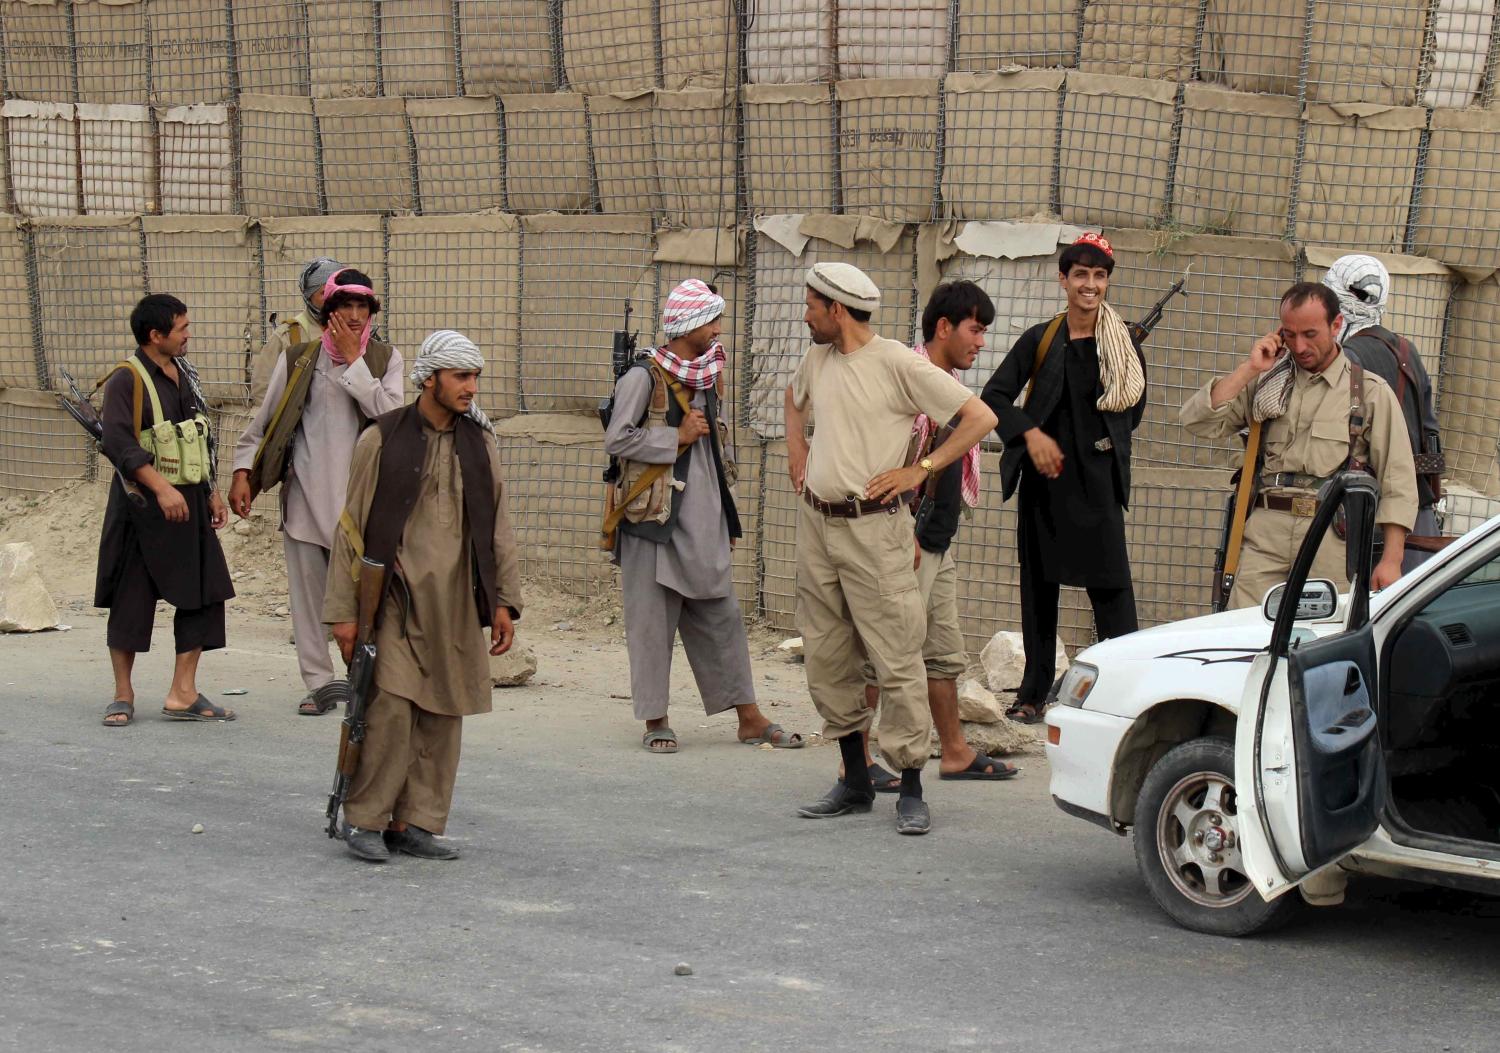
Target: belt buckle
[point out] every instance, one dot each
(853, 502)
(1304, 506)
(1104, 445)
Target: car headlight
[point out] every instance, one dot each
(1076, 684)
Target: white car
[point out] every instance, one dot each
(1253, 748)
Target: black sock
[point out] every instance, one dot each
(911, 782)
(856, 766)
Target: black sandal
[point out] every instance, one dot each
(114, 709)
(1027, 713)
(324, 698)
(883, 781)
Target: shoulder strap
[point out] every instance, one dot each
(676, 388)
(1403, 363)
(1244, 493)
(136, 393)
(143, 380)
(1358, 416)
(1048, 335)
(293, 332)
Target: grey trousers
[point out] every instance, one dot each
(306, 580)
(713, 635)
(1426, 524)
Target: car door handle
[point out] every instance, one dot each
(1352, 719)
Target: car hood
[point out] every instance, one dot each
(1227, 633)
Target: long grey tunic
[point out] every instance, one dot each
(695, 560)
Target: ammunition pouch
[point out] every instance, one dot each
(179, 451)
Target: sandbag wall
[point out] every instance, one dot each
(524, 169)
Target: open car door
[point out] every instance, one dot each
(1308, 762)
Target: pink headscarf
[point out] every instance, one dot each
(329, 288)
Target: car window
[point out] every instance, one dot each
(1487, 573)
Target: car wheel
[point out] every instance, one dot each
(1187, 844)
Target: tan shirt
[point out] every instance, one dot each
(275, 348)
(1312, 436)
(866, 402)
(437, 654)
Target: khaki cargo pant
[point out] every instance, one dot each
(857, 597)
(944, 652)
(1271, 542)
(406, 768)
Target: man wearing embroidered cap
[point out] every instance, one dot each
(1067, 450)
(675, 534)
(321, 393)
(857, 588)
(426, 501)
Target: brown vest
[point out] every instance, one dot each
(398, 484)
(274, 454)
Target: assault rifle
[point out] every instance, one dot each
(361, 686)
(623, 354)
(82, 411)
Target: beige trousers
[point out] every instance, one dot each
(1271, 542)
(306, 580)
(944, 652)
(857, 598)
(407, 767)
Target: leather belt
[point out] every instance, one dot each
(1303, 506)
(853, 507)
(1300, 480)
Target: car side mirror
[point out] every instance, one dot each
(1318, 602)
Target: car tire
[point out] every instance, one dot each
(1186, 844)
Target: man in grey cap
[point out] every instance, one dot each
(306, 324)
(857, 585)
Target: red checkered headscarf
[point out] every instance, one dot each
(690, 305)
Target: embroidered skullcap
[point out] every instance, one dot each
(446, 349)
(690, 305)
(314, 276)
(1099, 241)
(846, 284)
(1363, 287)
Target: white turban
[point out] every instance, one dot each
(446, 349)
(1363, 287)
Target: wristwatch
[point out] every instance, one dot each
(926, 465)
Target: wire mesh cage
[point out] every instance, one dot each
(1233, 291)
(41, 447)
(506, 46)
(778, 539)
(1172, 530)
(609, 45)
(1000, 144)
(892, 39)
(39, 59)
(546, 153)
(789, 41)
(367, 158)
(1458, 217)
(785, 248)
(694, 135)
(745, 566)
(287, 244)
(18, 362)
(577, 275)
(1115, 160)
(116, 145)
(1469, 411)
(1157, 39)
(190, 52)
(87, 334)
(352, 67)
(1461, 35)
(888, 147)
(714, 256)
(1358, 165)
(460, 159)
(271, 41)
(1236, 162)
(418, 49)
(699, 44)
(1363, 51)
(620, 131)
(211, 264)
(995, 34)
(278, 150)
(228, 424)
(43, 151)
(463, 273)
(111, 52)
(1254, 45)
(788, 132)
(197, 159)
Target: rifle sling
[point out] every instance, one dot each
(1048, 335)
(1242, 502)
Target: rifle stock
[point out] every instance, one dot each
(372, 578)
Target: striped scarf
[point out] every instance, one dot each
(700, 374)
(1120, 372)
(195, 385)
(922, 428)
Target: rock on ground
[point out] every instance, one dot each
(1000, 738)
(792, 647)
(1004, 661)
(514, 667)
(978, 704)
(25, 604)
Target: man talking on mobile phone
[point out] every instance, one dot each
(1321, 414)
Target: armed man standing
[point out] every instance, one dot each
(425, 502)
(857, 587)
(306, 324)
(1320, 414)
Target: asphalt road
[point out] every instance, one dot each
(591, 870)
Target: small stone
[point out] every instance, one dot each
(683, 969)
(1003, 737)
(25, 604)
(197, 828)
(514, 667)
(562, 627)
(1004, 661)
(243, 528)
(282, 612)
(235, 691)
(977, 703)
(792, 648)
